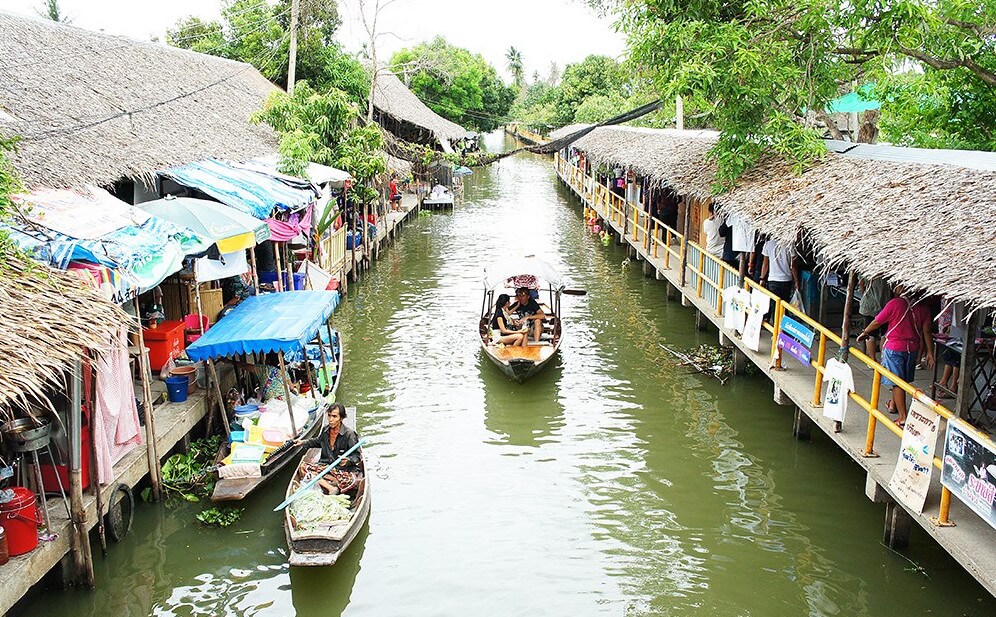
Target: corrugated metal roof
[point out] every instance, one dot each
(969, 159)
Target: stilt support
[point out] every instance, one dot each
(802, 427)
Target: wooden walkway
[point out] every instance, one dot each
(173, 422)
(971, 541)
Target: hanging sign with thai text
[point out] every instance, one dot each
(911, 479)
(969, 470)
(798, 331)
(794, 348)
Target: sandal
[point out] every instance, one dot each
(891, 407)
(901, 425)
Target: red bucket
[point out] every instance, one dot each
(19, 519)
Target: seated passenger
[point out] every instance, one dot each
(503, 329)
(529, 311)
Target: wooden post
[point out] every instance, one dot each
(321, 352)
(80, 538)
(255, 271)
(966, 377)
(684, 246)
(292, 60)
(279, 285)
(151, 449)
(845, 329)
(287, 393)
(221, 399)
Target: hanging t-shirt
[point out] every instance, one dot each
(736, 302)
(713, 241)
(744, 236)
(839, 383)
(757, 308)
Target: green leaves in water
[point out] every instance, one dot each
(220, 517)
(187, 475)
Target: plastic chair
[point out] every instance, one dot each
(192, 325)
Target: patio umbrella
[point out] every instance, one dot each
(217, 223)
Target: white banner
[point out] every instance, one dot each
(230, 264)
(911, 479)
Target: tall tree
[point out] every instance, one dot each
(514, 57)
(595, 75)
(455, 83)
(52, 11)
(758, 66)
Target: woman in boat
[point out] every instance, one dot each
(334, 440)
(502, 324)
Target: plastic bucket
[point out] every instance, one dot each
(19, 519)
(176, 388)
(190, 372)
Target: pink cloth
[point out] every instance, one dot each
(297, 223)
(905, 323)
(115, 424)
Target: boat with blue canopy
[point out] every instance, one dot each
(289, 359)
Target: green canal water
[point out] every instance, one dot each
(614, 483)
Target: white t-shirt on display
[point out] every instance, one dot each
(735, 304)
(713, 241)
(779, 261)
(744, 236)
(839, 383)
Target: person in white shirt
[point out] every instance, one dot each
(710, 227)
(779, 270)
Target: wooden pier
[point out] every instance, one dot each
(868, 436)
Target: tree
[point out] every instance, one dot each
(595, 75)
(455, 83)
(759, 65)
(52, 11)
(514, 57)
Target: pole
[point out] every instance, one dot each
(89, 389)
(845, 327)
(221, 399)
(276, 258)
(155, 471)
(255, 271)
(287, 393)
(969, 355)
(292, 62)
(679, 113)
(82, 556)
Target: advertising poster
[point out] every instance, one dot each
(969, 470)
(794, 348)
(911, 479)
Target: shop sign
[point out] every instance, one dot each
(794, 348)
(969, 470)
(911, 479)
(798, 331)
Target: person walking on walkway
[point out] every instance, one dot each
(908, 331)
(710, 228)
(875, 293)
(779, 273)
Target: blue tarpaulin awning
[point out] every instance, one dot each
(271, 322)
(251, 192)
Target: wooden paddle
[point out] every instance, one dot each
(574, 292)
(318, 477)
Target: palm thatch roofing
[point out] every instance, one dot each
(49, 316)
(92, 108)
(906, 217)
(391, 97)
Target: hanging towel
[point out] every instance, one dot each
(116, 430)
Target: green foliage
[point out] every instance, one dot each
(9, 182)
(593, 76)
(756, 66)
(455, 83)
(220, 517)
(252, 31)
(322, 128)
(515, 67)
(186, 475)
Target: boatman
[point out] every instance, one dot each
(529, 311)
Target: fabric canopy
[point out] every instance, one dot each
(318, 174)
(498, 274)
(298, 224)
(216, 223)
(256, 194)
(271, 322)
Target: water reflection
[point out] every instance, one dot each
(320, 592)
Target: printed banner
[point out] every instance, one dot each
(969, 470)
(797, 331)
(911, 479)
(794, 348)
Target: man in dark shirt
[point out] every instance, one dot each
(530, 311)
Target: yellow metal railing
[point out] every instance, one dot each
(611, 207)
(335, 250)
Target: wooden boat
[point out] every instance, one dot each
(322, 544)
(521, 363)
(234, 489)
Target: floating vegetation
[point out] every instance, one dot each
(706, 359)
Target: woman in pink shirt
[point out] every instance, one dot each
(908, 330)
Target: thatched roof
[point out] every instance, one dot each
(48, 317)
(392, 97)
(925, 224)
(398, 166)
(92, 108)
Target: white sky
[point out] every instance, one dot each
(545, 31)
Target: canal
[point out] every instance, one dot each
(614, 483)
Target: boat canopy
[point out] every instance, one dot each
(515, 271)
(271, 322)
